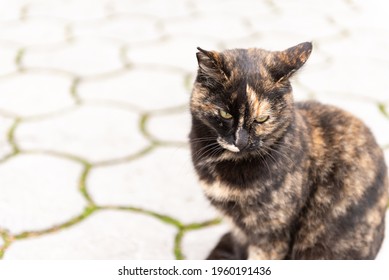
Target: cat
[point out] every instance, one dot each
(297, 180)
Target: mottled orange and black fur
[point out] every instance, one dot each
(296, 180)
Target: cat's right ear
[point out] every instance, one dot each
(210, 64)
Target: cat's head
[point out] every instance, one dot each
(244, 97)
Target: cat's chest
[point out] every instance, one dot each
(253, 197)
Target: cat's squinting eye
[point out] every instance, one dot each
(225, 115)
(261, 119)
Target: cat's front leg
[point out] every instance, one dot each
(271, 251)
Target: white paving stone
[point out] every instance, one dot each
(29, 94)
(350, 75)
(148, 89)
(10, 10)
(309, 26)
(173, 127)
(95, 133)
(85, 57)
(33, 32)
(209, 26)
(163, 181)
(38, 192)
(105, 235)
(197, 244)
(5, 125)
(128, 29)
(232, 8)
(7, 58)
(366, 111)
(178, 52)
(159, 9)
(74, 10)
(363, 42)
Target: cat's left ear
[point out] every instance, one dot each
(286, 62)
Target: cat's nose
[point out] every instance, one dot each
(241, 138)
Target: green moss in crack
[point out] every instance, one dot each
(89, 210)
(382, 108)
(83, 187)
(178, 244)
(7, 240)
(11, 136)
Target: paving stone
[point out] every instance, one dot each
(232, 9)
(7, 58)
(371, 14)
(172, 127)
(158, 9)
(29, 94)
(94, 133)
(363, 42)
(128, 29)
(105, 235)
(208, 26)
(33, 32)
(184, 56)
(146, 88)
(350, 75)
(287, 24)
(11, 10)
(72, 10)
(38, 191)
(85, 57)
(366, 111)
(5, 147)
(197, 244)
(163, 181)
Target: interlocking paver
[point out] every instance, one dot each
(205, 26)
(148, 89)
(123, 28)
(197, 244)
(84, 57)
(150, 183)
(94, 113)
(29, 94)
(85, 10)
(38, 192)
(158, 9)
(104, 235)
(33, 32)
(164, 52)
(92, 132)
(7, 58)
(173, 127)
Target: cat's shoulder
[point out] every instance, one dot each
(325, 112)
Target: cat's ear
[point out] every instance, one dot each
(210, 64)
(286, 62)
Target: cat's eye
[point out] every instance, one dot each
(225, 115)
(261, 119)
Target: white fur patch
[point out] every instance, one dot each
(225, 145)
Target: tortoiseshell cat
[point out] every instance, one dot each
(297, 180)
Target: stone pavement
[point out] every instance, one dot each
(94, 160)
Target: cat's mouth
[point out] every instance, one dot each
(227, 146)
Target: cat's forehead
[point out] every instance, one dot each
(247, 60)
